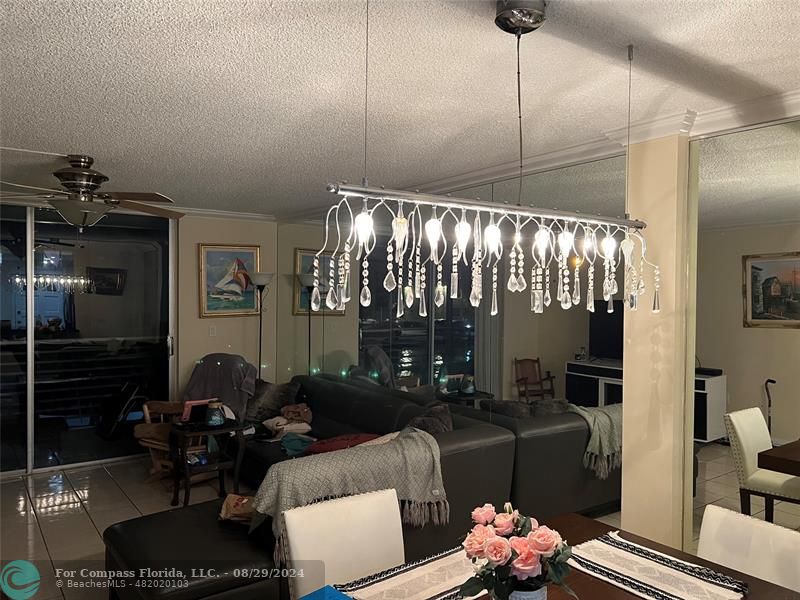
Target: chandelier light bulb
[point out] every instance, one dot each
(433, 230)
(542, 241)
(363, 224)
(588, 242)
(491, 237)
(609, 245)
(463, 232)
(400, 231)
(565, 239)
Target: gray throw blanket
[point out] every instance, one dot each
(604, 449)
(409, 464)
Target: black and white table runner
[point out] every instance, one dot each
(650, 574)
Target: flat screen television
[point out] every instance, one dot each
(605, 330)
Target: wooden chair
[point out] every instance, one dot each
(530, 383)
(153, 434)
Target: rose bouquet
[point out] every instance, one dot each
(514, 556)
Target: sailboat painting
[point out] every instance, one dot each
(226, 288)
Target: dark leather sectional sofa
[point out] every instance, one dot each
(477, 460)
(535, 462)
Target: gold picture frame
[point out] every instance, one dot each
(226, 288)
(303, 264)
(771, 290)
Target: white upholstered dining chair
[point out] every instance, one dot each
(352, 537)
(748, 435)
(749, 545)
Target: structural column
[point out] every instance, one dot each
(659, 349)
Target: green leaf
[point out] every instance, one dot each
(472, 586)
(525, 526)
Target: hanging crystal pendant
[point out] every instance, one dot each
(538, 302)
(438, 296)
(331, 301)
(474, 298)
(633, 302)
(494, 310)
(566, 300)
(656, 302)
(454, 283)
(408, 296)
(316, 301)
(512, 284)
(366, 296)
(576, 294)
(610, 308)
(614, 287)
(547, 298)
(389, 282)
(606, 289)
(590, 304)
(656, 287)
(400, 306)
(416, 284)
(423, 309)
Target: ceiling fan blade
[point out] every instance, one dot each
(33, 187)
(147, 209)
(135, 196)
(33, 151)
(25, 196)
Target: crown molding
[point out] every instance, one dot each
(593, 150)
(641, 131)
(693, 123)
(752, 112)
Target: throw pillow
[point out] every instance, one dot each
(340, 442)
(436, 419)
(269, 399)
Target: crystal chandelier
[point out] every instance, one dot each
(544, 249)
(428, 230)
(56, 283)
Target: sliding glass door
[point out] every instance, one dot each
(13, 339)
(100, 324)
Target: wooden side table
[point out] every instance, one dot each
(220, 462)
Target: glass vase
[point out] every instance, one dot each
(540, 594)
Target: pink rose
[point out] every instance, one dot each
(484, 514)
(544, 540)
(476, 540)
(497, 550)
(504, 523)
(527, 564)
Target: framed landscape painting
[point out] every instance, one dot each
(226, 289)
(304, 266)
(771, 290)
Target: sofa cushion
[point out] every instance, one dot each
(187, 538)
(324, 427)
(435, 419)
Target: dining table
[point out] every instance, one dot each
(439, 576)
(577, 529)
(784, 458)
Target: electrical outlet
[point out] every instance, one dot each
(212, 331)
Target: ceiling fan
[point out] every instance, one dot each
(79, 202)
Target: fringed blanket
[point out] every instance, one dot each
(604, 449)
(409, 464)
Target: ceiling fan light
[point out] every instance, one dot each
(80, 214)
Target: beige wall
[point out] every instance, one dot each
(334, 341)
(555, 335)
(748, 356)
(197, 337)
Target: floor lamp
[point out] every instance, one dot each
(306, 281)
(261, 281)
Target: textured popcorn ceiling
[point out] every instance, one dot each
(254, 106)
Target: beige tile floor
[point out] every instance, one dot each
(717, 484)
(49, 518)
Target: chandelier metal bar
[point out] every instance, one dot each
(466, 203)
